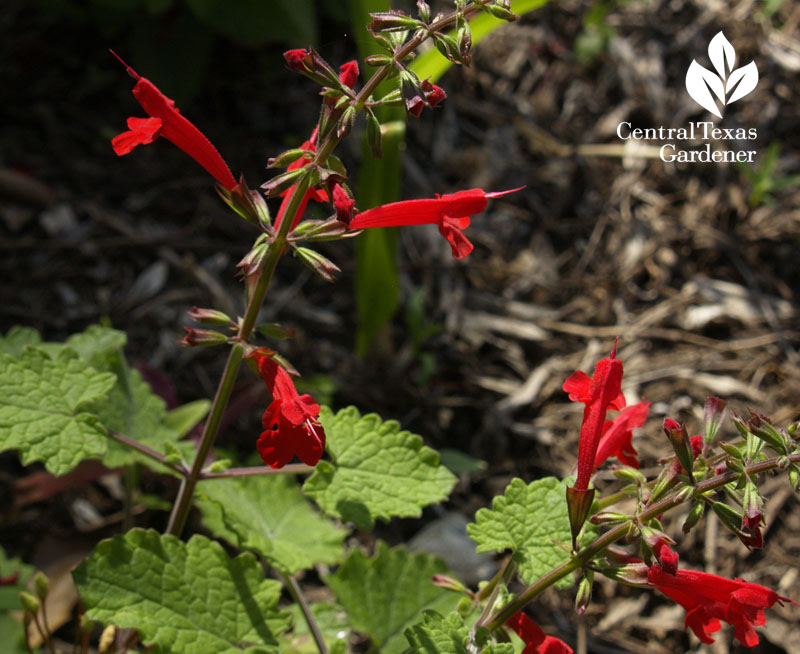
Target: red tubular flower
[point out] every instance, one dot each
(599, 392)
(536, 641)
(617, 438)
(451, 212)
(708, 599)
(165, 120)
(290, 421)
(348, 73)
(666, 556)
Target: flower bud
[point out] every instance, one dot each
(424, 10)
(29, 602)
(321, 265)
(609, 518)
(695, 513)
(219, 466)
(378, 60)
(346, 122)
(584, 595)
(448, 583)
(502, 9)
(713, 416)
(203, 337)
(41, 585)
(392, 21)
(761, 426)
(287, 157)
(276, 331)
(681, 445)
(210, 317)
(626, 473)
(732, 450)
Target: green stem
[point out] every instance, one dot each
(251, 471)
(297, 595)
(183, 503)
(583, 557)
(147, 451)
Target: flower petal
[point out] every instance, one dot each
(141, 132)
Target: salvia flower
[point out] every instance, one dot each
(600, 392)
(450, 212)
(166, 120)
(617, 438)
(536, 641)
(708, 599)
(290, 422)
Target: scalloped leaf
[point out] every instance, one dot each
(529, 519)
(17, 338)
(269, 515)
(184, 598)
(377, 471)
(385, 594)
(43, 408)
(437, 634)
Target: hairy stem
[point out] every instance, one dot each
(183, 503)
(583, 557)
(297, 595)
(252, 471)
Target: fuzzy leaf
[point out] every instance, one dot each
(17, 338)
(97, 345)
(184, 598)
(528, 518)
(385, 594)
(376, 472)
(43, 405)
(437, 634)
(269, 515)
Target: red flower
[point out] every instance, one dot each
(451, 212)
(348, 75)
(708, 599)
(433, 96)
(294, 59)
(536, 641)
(290, 421)
(165, 120)
(617, 438)
(599, 393)
(344, 204)
(666, 556)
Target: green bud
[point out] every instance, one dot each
(346, 122)
(29, 602)
(288, 157)
(695, 513)
(41, 585)
(626, 473)
(464, 607)
(220, 466)
(276, 331)
(734, 464)
(584, 595)
(378, 60)
(321, 265)
(732, 450)
(172, 455)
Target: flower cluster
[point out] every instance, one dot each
(291, 420)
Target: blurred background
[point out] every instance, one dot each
(693, 266)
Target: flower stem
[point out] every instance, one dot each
(183, 503)
(297, 595)
(252, 471)
(602, 542)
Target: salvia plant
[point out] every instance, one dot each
(63, 403)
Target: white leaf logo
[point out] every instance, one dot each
(727, 84)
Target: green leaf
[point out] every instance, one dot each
(97, 345)
(268, 514)
(437, 634)
(376, 472)
(9, 595)
(529, 519)
(184, 598)
(385, 594)
(433, 65)
(184, 418)
(17, 338)
(42, 408)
